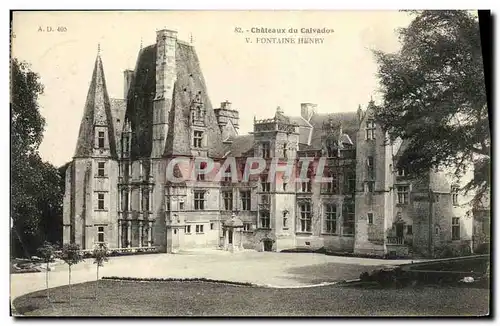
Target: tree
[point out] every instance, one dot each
(100, 254)
(71, 255)
(36, 192)
(434, 95)
(47, 252)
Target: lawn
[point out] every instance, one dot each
(124, 298)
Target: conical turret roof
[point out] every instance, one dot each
(97, 113)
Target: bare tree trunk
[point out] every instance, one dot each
(47, 281)
(69, 266)
(97, 282)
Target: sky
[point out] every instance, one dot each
(337, 74)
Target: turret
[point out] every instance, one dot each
(227, 119)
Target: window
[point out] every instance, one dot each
(331, 218)
(125, 200)
(188, 229)
(371, 167)
(100, 169)
(247, 227)
(227, 197)
(305, 217)
(146, 165)
(126, 144)
(145, 200)
(285, 222)
(455, 228)
(401, 172)
(100, 201)
(211, 226)
(331, 151)
(348, 215)
(167, 205)
(454, 196)
(369, 186)
(350, 183)
(370, 130)
(306, 186)
(403, 194)
(201, 176)
(266, 150)
(409, 229)
(284, 151)
(332, 187)
(199, 200)
(100, 234)
(266, 186)
(197, 139)
(100, 139)
(245, 200)
(370, 218)
(126, 169)
(199, 228)
(181, 206)
(265, 220)
(227, 178)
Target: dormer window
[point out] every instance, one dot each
(401, 172)
(125, 143)
(100, 139)
(370, 130)
(197, 139)
(331, 152)
(266, 150)
(331, 149)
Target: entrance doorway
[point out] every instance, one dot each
(399, 230)
(230, 236)
(268, 245)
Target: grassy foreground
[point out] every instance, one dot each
(124, 298)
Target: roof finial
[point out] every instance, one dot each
(99, 48)
(279, 110)
(191, 38)
(141, 44)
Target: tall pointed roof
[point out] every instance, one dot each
(97, 113)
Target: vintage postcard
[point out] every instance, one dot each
(250, 163)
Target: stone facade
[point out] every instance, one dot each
(117, 191)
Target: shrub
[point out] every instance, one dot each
(483, 249)
(450, 251)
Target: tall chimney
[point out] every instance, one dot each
(307, 110)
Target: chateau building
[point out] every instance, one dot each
(117, 191)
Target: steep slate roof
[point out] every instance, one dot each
(140, 102)
(301, 122)
(189, 81)
(349, 121)
(97, 111)
(240, 146)
(118, 107)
